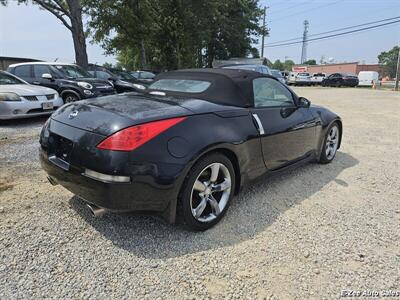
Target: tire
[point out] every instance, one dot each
(200, 192)
(327, 156)
(70, 97)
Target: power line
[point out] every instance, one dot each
(305, 11)
(290, 7)
(335, 30)
(337, 34)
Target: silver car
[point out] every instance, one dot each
(19, 99)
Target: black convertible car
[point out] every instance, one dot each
(186, 145)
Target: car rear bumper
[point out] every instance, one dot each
(141, 193)
(26, 109)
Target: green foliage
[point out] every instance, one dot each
(171, 34)
(389, 61)
(310, 62)
(278, 65)
(282, 66)
(288, 65)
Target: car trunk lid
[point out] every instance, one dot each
(109, 114)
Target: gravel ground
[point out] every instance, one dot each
(307, 234)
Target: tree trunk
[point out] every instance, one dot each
(143, 62)
(78, 34)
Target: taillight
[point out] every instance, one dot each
(133, 137)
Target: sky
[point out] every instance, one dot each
(27, 31)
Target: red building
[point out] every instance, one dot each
(352, 68)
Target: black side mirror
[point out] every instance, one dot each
(303, 102)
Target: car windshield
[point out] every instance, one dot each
(180, 85)
(242, 67)
(73, 71)
(147, 75)
(276, 73)
(123, 75)
(6, 79)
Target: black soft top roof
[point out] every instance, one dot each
(228, 86)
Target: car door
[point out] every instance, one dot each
(287, 132)
(38, 71)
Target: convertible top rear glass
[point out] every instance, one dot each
(180, 85)
(226, 86)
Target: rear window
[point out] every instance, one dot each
(180, 85)
(303, 74)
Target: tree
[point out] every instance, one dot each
(288, 64)
(389, 61)
(278, 65)
(69, 12)
(172, 34)
(310, 62)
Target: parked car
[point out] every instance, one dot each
(70, 81)
(191, 141)
(278, 75)
(316, 78)
(257, 68)
(144, 77)
(285, 75)
(19, 99)
(303, 78)
(291, 79)
(340, 79)
(122, 81)
(368, 78)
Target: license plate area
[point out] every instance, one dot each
(47, 105)
(60, 147)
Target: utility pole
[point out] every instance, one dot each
(305, 39)
(263, 34)
(396, 86)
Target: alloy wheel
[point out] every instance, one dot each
(332, 142)
(70, 98)
(210, 192)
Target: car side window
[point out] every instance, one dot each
(23, 71)
(269, 92)
(39, 70)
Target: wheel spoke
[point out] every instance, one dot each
(214, 205)
(328, 151)
(199, 186)
(200, 208)
(214, 172)
(226, 184)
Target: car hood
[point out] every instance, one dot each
(26, 89)
(109, 114)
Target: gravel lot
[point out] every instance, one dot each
(310, 233)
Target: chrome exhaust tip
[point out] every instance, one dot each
(95, 210)
(52, 180)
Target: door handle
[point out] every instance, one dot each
(36, 82)
(259, 126)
